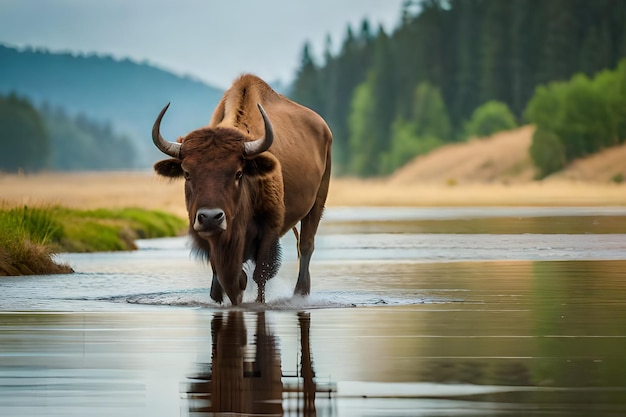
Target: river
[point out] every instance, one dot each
(413, 312)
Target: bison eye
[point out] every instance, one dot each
(187, 175)
(238, 175)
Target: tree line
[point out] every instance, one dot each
(48, 138)
(389, 97)
(126, 93)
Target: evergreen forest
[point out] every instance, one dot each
(48, 138)
(459, 68)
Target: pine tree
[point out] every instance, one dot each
(306, 87)
(467, 15)
(24, 144)
(495, 56)
(346, 72)
(595, 51)
(560, 41)
(524, 33)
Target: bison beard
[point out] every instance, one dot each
(252, 231)
(227, 253)
(248, 181)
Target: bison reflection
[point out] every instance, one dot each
(247, 377)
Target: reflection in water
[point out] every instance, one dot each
(246, 377)
(473, 324)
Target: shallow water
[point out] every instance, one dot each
(414, 312)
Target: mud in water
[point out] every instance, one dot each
(414, 312)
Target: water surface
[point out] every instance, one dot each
(414, 312)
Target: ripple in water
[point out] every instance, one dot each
(199, 298)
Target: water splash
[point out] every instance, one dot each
(199, 298)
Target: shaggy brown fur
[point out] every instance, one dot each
(262, 197)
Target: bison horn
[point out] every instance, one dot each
(169, 148)
(255, 147)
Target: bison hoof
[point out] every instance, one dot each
(217, 295)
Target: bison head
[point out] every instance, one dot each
(221, 167)
(213, 163)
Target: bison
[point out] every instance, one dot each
(260, 166)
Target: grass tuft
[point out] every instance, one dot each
(25, 237)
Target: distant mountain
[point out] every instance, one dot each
(127, 94)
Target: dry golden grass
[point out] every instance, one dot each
(494, 171)
(144, 189)
(551, 193)
(94, 190)
(502, 157)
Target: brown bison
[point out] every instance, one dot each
(261, 166)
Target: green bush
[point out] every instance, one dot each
(547, 152)
(611, 86)
(545, 108)
(427, 128)
(586, 126)
(490, 118)
(585, 115)
(405, 146)
(429, 115)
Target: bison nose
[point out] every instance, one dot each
(210, 220)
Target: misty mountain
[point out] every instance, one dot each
(126, 94)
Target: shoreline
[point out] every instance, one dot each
(88, 190)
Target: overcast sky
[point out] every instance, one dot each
(213, 40)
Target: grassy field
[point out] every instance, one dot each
(553, 193)
(143, 189)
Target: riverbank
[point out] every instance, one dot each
(30, 235)
(95, 205)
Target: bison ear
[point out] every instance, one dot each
(262, 165)
(171, 168)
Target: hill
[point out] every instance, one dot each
(127, 94)
(606, 165)
(503, 158)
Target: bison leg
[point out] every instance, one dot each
(232, 281)
(306, 245)
(267, 264)
(308, 229)
(217, 292)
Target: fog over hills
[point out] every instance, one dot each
(127, 94)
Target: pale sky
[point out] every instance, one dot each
(211, 40)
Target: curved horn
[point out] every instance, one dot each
(255, 147)
(169, 148)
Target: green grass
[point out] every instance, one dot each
(30, 235)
